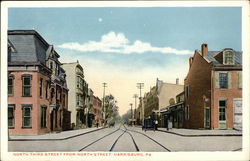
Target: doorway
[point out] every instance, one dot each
(222, 114)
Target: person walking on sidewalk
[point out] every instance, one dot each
(156, 124)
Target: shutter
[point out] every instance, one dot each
(229, 80)
(216, 79)
(240, 79)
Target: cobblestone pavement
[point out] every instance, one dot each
(125, 139)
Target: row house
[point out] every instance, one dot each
(97, 106)
(167, 97)
(78, 93)
(150, 103)
(213, 90)
(173, 115)
(89, 111)
(37, 89)
(156, 102)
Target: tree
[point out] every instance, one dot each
(111, 108)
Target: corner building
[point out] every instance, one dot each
(37, 91)
(213, 90)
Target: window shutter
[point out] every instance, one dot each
(216, 79)
(229, 80)
(240, 79)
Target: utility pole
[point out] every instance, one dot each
(131, 104)
(103, 103)
(140, 86)
(135, 96)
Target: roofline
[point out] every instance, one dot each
(28, 32)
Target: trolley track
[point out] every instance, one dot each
(167, 149)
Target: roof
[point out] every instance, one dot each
(29, 46)
(212, 54)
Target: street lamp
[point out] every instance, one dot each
(140, 86)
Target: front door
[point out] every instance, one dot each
(51, 121)
(207, 117)
(222, 114)
(238, 113)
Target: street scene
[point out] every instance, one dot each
(123, 138)
(114, 79)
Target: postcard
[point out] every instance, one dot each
(134, 80)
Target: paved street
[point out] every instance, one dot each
(126, 139)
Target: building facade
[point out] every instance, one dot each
(89, 111)
(97, 106)
(213, 89)
(78, 93)
(167, 93)
(37, 89)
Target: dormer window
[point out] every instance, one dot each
(228, 57)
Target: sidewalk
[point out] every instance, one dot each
(198, 132)
(54, 136)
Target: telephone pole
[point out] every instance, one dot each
(135, 96)
(103, 103)
(131, 104)
(140, 86)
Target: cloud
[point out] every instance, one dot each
(118, 43)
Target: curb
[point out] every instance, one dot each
(65, 138)
(195, 135)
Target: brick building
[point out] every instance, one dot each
(37, 90)
(97, 106)
(213, 89)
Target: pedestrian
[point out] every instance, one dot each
(156, 124)
(97, 124)
(167, 124)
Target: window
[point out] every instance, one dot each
(240, 79)
(47, 89)
(79, 100)
(64, 100)
(223, 80)
(26, 116)
(51, 65)
(222, 110)
(187, 113)
(43, 116)
(79, 82)
(26, 85)
(11, 116)
(10, 85)
(228, 58)
(187, 91)
(41, 87)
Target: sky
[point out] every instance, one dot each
(126, 45)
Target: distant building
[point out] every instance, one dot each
(78, 93)
(37, 89)
(150, 102)
(173, 115)
(97, 106)
(213, 89)
(157, 100)
(89, 112)
(167, 93)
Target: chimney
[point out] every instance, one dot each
(204, 50)
(190, 61)
(177, 81)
